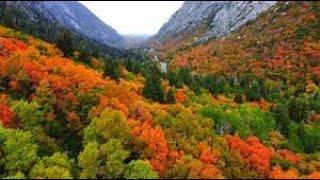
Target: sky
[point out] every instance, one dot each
(134, 17)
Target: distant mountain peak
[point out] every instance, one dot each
(72, 16)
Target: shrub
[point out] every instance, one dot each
(243, 120)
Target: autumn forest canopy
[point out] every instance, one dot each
(243, 106)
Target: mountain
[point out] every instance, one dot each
(66, 14)
(198, 21)
(282, 44)
(135, 40)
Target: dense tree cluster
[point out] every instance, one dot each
(61, 117)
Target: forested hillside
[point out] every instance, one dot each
(236, 107)
(282, 43)
(63, 22)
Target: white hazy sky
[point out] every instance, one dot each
(134, 17)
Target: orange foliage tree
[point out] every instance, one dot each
(180, 96)
(256, 156)
(206, 154)
(289, 155)
(278, 173)
(314, 175)
(188, 167)
(162, 157)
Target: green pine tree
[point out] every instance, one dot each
(65, 42)
(153, 87)
(112, 69)
(170, 98)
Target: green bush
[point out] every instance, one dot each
(310, 137)
(140, 170)
(315, 103)
(29, 114)
(281, 116)
(129, 76)
(243, 120)
(238, 98)
(170, 98)
(299, 109)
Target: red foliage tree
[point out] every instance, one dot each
(289, 155)
(12, 45)
(6, 115)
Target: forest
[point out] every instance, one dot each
(246, 106)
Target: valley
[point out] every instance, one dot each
(224, 90)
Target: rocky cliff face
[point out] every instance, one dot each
(70, 15)
(210, 19)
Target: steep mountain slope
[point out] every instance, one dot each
(67, 14)
(197, 21)
(282, 44)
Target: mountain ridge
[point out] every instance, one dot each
(71, 15)
(200, 21)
